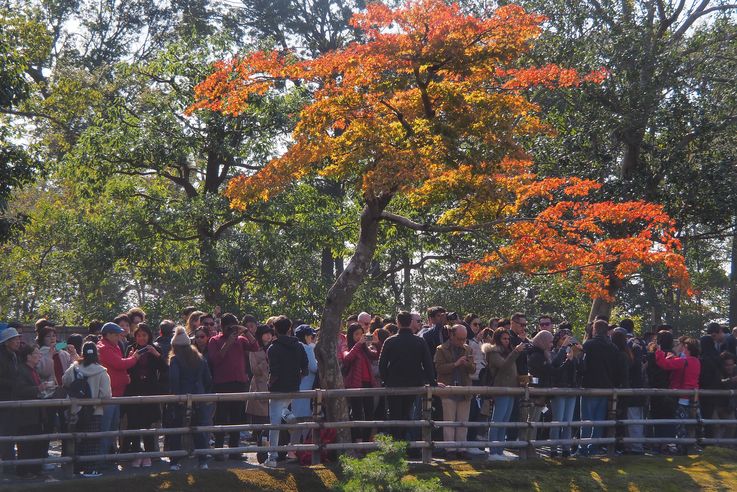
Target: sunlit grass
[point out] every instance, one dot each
(715, 469)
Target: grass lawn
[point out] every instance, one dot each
(715, 469)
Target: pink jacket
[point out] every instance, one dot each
(111, 358)
(684, 372)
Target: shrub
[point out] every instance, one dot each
(383, 470)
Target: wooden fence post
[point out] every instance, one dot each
(71, 447)
(427, 426)
(693, 410)
(612, 430)
(525, 433)
(316, 437)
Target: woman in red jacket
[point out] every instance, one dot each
(684, 369)
(358, 373)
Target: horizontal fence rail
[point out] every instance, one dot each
(527, 397)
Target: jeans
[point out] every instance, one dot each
(635, 430)
(562, 408)
(276, 410)
(110, 422)
(502, 412)
(593, 408)
(474, 414)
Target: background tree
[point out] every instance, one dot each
(430, 106)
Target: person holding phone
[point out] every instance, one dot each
(358, 373)
(111, 358)
(454, 365)
(227, 353)
(55, 360)
(145, 380)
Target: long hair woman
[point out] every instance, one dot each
(145, 377)
(358, 374)
(501, 364)
(188, 375)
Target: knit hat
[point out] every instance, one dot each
(180, 337)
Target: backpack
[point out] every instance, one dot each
(78, 389)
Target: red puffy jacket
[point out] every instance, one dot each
(111, 358)
(357, 366)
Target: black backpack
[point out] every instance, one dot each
(78, 389)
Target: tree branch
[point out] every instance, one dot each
(413, 266)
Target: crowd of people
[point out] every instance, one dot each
(214, 353)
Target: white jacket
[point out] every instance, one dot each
(45, 367)
(97, 378)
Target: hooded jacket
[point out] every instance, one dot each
(501, 368)
(111, 358)
(287, 363)
(97, 378)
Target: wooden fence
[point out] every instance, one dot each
(426, 424)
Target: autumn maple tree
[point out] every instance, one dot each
(433, 106)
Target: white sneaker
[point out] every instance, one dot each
(91, 474)
(175, 467)
(509, 457)
(204, 466)
(271, 463)
(496, 457)
(475, 451)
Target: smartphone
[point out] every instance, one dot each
(61, 346)
(142, 350)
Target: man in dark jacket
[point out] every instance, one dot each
(600, 369)
(404, 362)
(10, 342)
(712, 344)
(287, 364)
(437, 334)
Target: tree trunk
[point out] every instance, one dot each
(600, 307)
(407, 282)
(338, 298)
(603, 307)
(733, 280)
(326, 266)
(212, 282)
